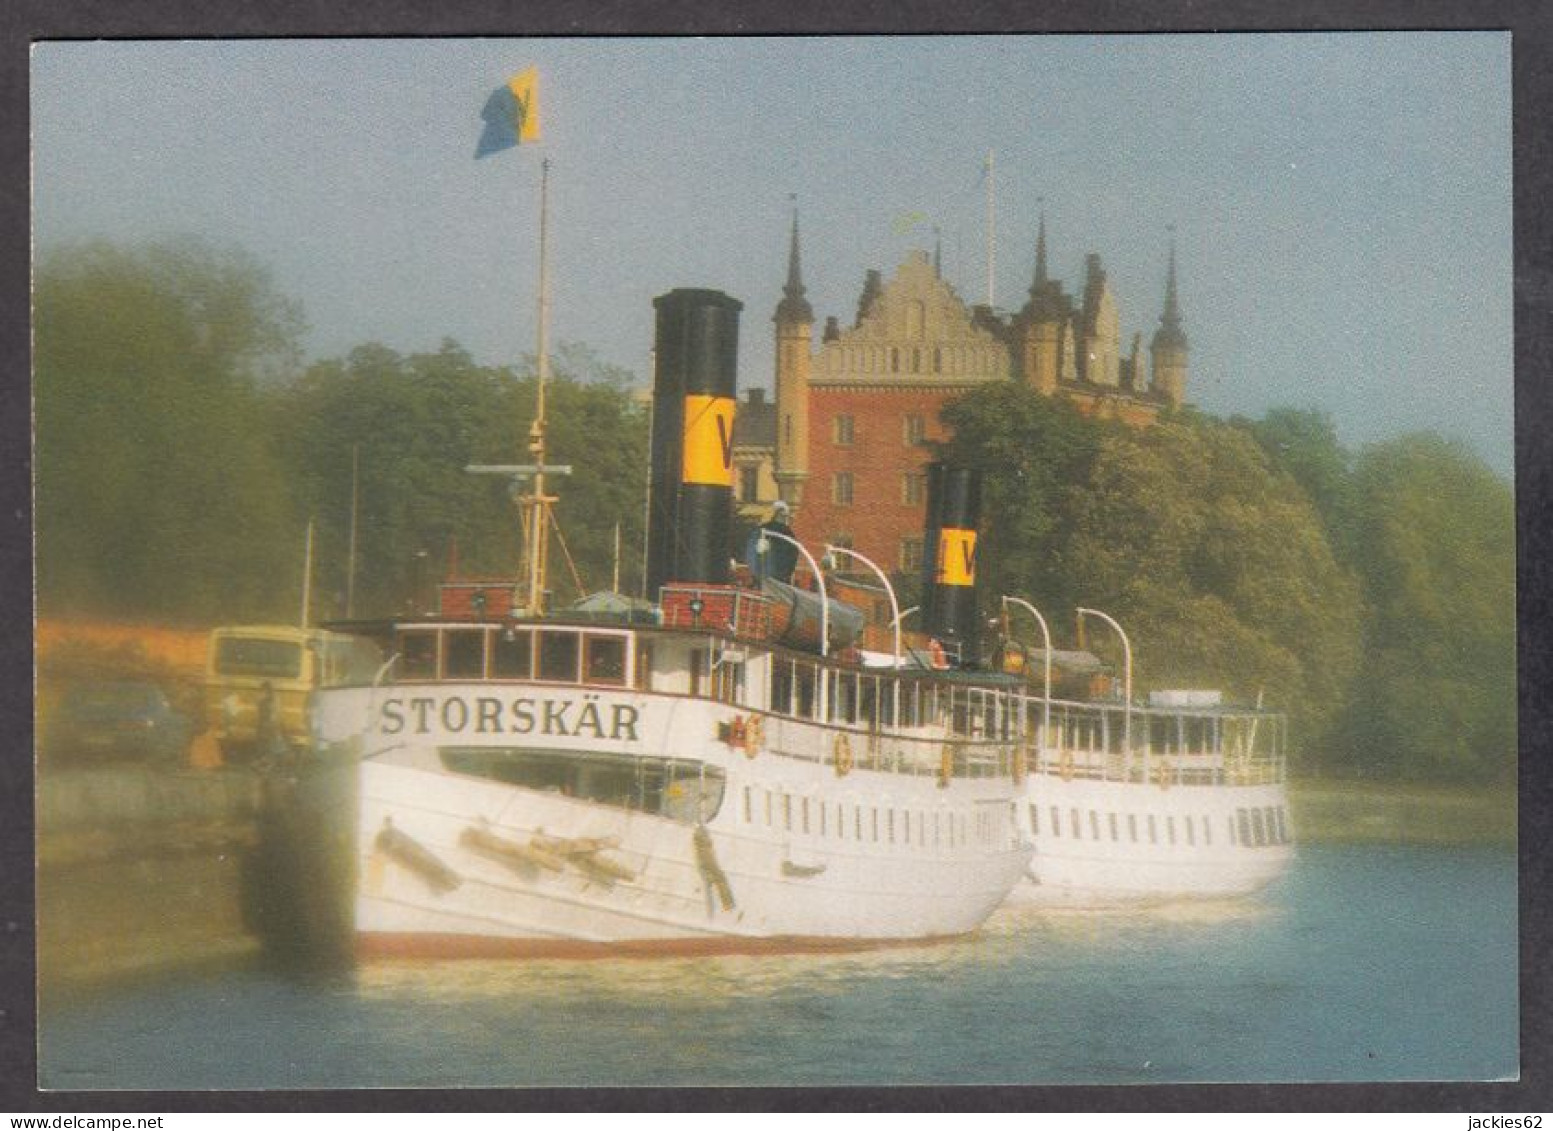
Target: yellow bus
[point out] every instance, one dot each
(259, 681)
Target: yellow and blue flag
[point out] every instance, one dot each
(511, 114)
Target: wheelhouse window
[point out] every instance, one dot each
(512, 654)
(604, 659)
(558, 655)
(463, 654)
(418, 655)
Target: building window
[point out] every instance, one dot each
(749, 483)
(841, 489)
(841, 539)
(911, 554)
(913, 487)
(913, 429)
(841, 430)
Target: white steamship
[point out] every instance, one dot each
(722, 770)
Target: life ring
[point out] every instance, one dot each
(754, 735)
(946, 766)
(843, 756)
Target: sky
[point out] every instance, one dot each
(1341, 203)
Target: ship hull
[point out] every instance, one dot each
(1117, 843)
(791, 855)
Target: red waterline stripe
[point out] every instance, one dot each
(432, 945)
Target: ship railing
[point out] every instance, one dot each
(1210, 746)
(930, 752)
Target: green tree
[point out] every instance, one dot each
(1303, 442)
(157, 491)
(413, 424)
(1434, 533)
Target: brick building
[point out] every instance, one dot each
(847, 437)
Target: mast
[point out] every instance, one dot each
(991, 225)
(529, 479)
(538, 524)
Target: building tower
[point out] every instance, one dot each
(1043, 317)
(1169, 347)
(1100, 358)
(794, 320)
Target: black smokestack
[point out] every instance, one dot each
(695, 388)
(949, 558)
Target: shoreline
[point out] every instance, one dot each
(1330, 811)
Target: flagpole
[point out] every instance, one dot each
(991, 224)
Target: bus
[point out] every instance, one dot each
(254, 671)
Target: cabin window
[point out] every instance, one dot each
(857, 823)
(676, 788)
(418, 655)
(1191, 831)
(804, 808)
(875, 813)
(749, 811)
(806, 681)
(604, 659)
(768, 808)
(1258, 829)
(1243, 821)
(1056, 822)
(822, 817)
(1207, 831)
(512, 654)
(1170, 830)
(1073, 824)
(781, 686)
(1035, 821)
(841, 822)
(558, 655)
(1094, 825)
(463, 654)
(787, 811)
(1132, 827)
(889, 821)
(1283, 828)
(1153, 831)
(1112, 822)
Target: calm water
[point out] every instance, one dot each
(1361, 964)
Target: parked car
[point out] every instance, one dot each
(118, 720)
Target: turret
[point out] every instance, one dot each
(1100, 356)
(1169, 348)
(1041, 337)
(794, 320)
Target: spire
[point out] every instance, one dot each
(1046, 299)
(1040, 253)
(1170, 333)
(794, 307)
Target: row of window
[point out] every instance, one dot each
(1252, 827)
(843, 429)
(843, 483)
(866, 824)
(554, 656)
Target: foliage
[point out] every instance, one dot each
(156, 492)
(414, 424)
(1303, 442)
(1435, 529)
